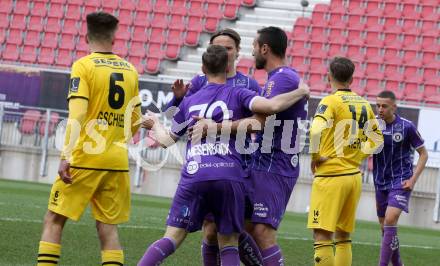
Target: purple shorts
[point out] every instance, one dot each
(223, 198)
(398, 198)
(270, 197)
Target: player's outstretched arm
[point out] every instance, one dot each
(423, 158)
(280, 102)
(179, 91)
(161, 134)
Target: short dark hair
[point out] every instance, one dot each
(341, 69)
(215, 59)
(388, 95)
(101, 26)
(227, 32)
(275, 38)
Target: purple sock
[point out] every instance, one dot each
(229, 256)
(157, 252)
(390, 243)
(272, 256)
(395, 258)
(249, 252)
(210, 255)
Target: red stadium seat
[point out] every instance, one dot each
(249, 2)
(155, 50)
(144, 5)
(125, 17)
(35, 23)
(56, 11)
(73, 12)
(29, 54)
(32, 38)
(245, 65)
(120, 48)
(28, 123)
(140, 34)
(161, 6)
(157, 35)
(113, 4)
(175, 37)
(10, 53)
(260, 76)
(82, 45)
(230, 10)
(172, 51)
(15, 37)
(50, 40)
(2, 35)
(137, 49)
(21, 7)
(18, 22)
(67, 41)
(177, 22)
(80, 54)
(152, 65)
(137, 63)
(127, 5)
(88, 10)
(70, 27)
(159, 21)
(141, 19)
(64, 58)
(54, 118)
(93, 3)
(39, 9)
(46, 56)
(53, 25)
(431, 90)
(211, 23)
(123, 32)
(6, 7)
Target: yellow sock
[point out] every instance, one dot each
(343, 253)
(48, 254)
(324, 255)
(112, 257)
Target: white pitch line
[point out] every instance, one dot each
(281, 236)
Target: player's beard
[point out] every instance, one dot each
(260, 62)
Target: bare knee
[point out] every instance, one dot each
(264, 235)
(322, 235)
(53, 227)
(178, 235)
(210, 233)
(108, 236)
(341, 235)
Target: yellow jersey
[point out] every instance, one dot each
(344, 130)
(111, 86)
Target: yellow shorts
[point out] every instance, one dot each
(107, 191)
(333, 203)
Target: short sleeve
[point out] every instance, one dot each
(281, 83)
(78, 84)
(325, 109)
(245, 98)
(180, 123)
(415, 138)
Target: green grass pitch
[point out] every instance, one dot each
(22, 206)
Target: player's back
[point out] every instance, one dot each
(343, 142)
(110, 84)
(213, 159)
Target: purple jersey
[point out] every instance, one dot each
(213, 160)
(239, 81)
(394, 163)
(280, 154)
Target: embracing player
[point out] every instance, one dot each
(212, 179)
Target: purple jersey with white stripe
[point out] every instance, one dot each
(239, 81)
(280, 154)
(394, 163)
(219, 159)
